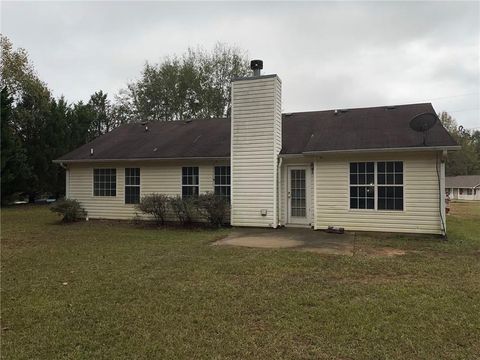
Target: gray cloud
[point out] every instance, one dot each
(328, 54)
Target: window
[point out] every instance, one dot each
(362, 185)
(222, 182)
(104, 182)
(132, 185)
(390, 185)
(469, 191)
(383, 191)
(189, 181)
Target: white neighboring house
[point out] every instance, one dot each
(463, 187)
(362, 169)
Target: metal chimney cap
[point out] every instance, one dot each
(256, 64)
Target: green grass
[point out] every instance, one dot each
(151, 293)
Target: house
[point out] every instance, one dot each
(465, 187)
(361, 169)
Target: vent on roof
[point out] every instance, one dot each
(288, 114)
(343, 111)
(390, 107)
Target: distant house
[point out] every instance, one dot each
(464, 187)
(362, 169)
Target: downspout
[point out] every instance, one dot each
(441, 194)
(279, 191)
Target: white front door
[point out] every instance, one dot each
(298, 195)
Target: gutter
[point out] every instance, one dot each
(138, 159)
(420, 148)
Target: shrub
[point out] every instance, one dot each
(155, 205)
(214, 208)
(183, 208)
(70, 209)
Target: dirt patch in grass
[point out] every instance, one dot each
(380, 251)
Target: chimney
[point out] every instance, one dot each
(256, 66)
(256, 125)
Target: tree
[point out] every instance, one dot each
(103, 120)
(467, 160)
(14, 168)
(194, 85)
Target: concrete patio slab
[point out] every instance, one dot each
(292, 238)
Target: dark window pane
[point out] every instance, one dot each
(381, 204)
(353, 203)
(381, 167)
(361, 167)
(370, 204)
(361, 203)
(389, 178)
(399, 179)
(361, 191)
(132, 194)
(389, 166)
(398, 166)
(381, 191)
(381, 178)
(398, 204)
(399, 192)
(353, 167)
(370, 191)
(370, 167)
(390, 204)
(370, 179)
(390, 191)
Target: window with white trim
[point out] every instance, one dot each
(104, 182)
(190, 181)
(222, 182)
(132, 185)
(362, 185)
(390, 185)
(377, 185)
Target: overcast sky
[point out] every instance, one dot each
(328, 55)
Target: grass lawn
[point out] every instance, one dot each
(96, 290)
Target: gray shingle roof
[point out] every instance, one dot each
(462, 181)
(304, 132)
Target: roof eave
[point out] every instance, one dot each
(420, 148)
(74, 161)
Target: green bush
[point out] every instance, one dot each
(214, 208)
(155, 205)
(69, 209)
(184, 208)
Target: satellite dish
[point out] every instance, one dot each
(423, 122)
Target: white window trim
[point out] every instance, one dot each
(93, 182)
(375, 185)
(125, 185)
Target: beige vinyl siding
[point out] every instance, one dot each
(421, 195)
(256, 143)
(155, 177)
